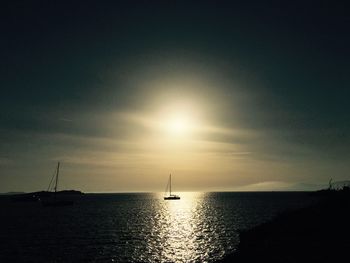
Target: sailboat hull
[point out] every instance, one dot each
(171, 197)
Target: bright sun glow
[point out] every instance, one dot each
(178, 126)
(178, 121)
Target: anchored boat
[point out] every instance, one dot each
(170, 196)
(55, 199)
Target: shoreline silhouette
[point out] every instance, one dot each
(317, 233)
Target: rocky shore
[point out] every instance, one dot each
(319, 233)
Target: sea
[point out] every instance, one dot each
(137, 227)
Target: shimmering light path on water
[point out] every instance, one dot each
(201, 227)
(187, 230)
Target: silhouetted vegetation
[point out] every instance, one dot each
(334, 189)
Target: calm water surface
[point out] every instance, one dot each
(201, 227)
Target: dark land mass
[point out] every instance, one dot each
(319, 233)
(12, 193)
(37, 196)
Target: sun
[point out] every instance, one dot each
(178, 121)
(178, 126)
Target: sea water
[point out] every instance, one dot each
(201, 227)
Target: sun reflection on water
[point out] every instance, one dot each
(191, 229)
(179, 226)
(180, 231)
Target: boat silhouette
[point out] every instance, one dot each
(55, 198)
(170, 196)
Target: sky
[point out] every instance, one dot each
(224, 95)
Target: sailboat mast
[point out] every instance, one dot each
(168, 188)
(58, 170)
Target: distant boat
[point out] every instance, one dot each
(53, 199)
(170, 196)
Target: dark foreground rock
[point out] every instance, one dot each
(320, 233)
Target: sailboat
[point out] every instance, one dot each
(53, 199)
(170, 196)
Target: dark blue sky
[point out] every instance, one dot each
(278, 69)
